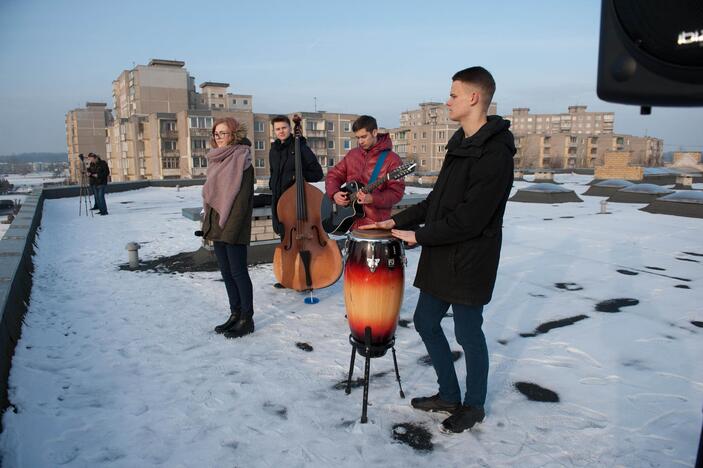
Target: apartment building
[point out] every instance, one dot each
(576, 121)
(565, 150)
(86, 128)
(576, 139)
(162, 125)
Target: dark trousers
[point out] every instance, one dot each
(99, 191)
(232, 260)
(429, 313)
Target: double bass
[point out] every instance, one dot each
(306, 258)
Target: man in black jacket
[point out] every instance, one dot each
(461, 241)
(282, 165)
(98, 180)
(89, 171)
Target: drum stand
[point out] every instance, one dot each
(368, 350)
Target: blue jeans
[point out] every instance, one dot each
(429, 313)
(99, 191)
(232, 260)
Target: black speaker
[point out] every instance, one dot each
(651, 52)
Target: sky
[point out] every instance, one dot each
(377, 58)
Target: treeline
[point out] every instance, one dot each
(35, 157)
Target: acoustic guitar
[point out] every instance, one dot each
(338, 219)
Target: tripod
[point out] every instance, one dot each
(84, 193)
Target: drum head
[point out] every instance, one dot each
(370, 234)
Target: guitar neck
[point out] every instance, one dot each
(371, 187)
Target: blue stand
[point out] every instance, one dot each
(311, 299)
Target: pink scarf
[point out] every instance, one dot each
(225, 167)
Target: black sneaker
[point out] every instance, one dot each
(465, 417)
(434, 404)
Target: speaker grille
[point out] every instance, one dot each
(670, 31)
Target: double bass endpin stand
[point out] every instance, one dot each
(311, 299)
(369, 351)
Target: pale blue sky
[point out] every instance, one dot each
(377, 58)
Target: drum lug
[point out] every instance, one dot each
(372, 263)
(391, 263)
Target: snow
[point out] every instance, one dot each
(32, 179)
(119, 368)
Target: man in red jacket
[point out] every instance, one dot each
(359, 164)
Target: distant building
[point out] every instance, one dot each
(577, 139)
(86, 128)
(577, 122)
(687, 159)
(162, 128)
(163, 125)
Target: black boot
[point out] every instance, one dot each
(233, 318)
(462, 419)
(434, 404)
(243, 326)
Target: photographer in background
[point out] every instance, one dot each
(98, 172)
(86, 171)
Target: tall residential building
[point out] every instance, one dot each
(575, 139)
(162, 126)
(161, 86)
(568, 150)
(577, 121)
(86, 128)
(424, 133)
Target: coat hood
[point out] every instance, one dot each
(383, 143)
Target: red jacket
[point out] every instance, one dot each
(358, 165)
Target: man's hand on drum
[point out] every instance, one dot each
(364, 198)
(407, 236)
(387, 224)
(341, 198)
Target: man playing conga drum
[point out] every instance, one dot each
(461, 242)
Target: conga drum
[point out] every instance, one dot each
(374, 279)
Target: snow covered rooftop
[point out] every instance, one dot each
(122, 368)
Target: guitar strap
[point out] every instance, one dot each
(377, 168)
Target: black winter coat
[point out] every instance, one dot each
(463, 216)
(101, 170)
(282, 166)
